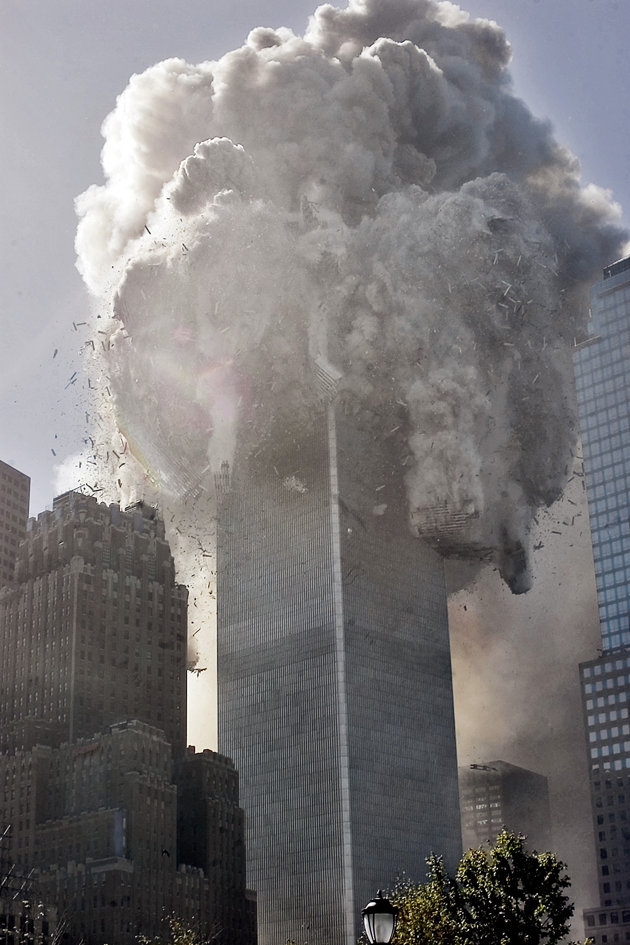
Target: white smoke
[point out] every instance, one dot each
(372, 192)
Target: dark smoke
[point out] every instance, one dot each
(372, 197)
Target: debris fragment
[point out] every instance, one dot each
(294, 484)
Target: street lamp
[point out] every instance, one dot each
(379, 920)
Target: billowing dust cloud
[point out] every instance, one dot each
(370, 196)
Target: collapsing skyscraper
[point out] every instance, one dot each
(334, 676)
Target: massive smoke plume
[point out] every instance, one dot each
(371, 196)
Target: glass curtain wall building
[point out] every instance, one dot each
(602, 368)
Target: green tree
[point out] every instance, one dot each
(179, 933)
(500, 895)
(424, 916)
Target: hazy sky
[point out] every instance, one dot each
(63, 64)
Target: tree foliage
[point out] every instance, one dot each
(500, 895)
(424, 917)
(179, 933)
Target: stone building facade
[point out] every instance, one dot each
(108, 814)
(15, 490)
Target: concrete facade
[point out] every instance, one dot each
(15, 490)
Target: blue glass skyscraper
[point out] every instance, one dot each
(602, 366)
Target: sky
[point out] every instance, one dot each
(62, 67)
(64, 64)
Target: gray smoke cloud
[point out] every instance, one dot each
(372, 196)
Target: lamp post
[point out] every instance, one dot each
(379, 920)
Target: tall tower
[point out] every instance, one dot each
(15, 489)
(104, 809)
(602, 364)
(95, 630)
(334, 680)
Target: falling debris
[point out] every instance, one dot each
(319, 260)
(294, 484)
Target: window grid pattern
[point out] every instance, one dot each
(284, 574)
(604, 405)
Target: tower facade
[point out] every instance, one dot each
(602, 365)
(104, 811)
(15, 490)
(95, 628)
(334, 680)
